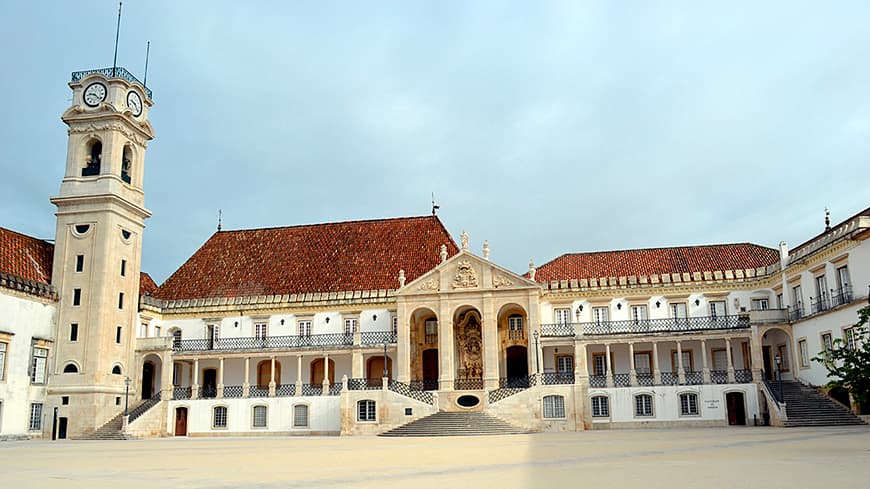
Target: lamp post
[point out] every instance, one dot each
(385, 359)
(537, 359)
(778, 360)
(126, 394)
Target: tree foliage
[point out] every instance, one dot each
(849, 368)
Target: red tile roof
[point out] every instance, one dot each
(146, 284)
(650, 261)
(331, 257)
(25, 257)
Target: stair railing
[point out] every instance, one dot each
(772, 400)
(143, 408)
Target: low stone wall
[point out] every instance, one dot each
(391, 411)
(525, 409)
(151, 424)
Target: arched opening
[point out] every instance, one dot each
(264, 373)
(469, 349)
(127, 164)
(70, 368)
(116, 370)
(776, 355)
(735, 408)
(147, 380)
(317, 367)
(93, 159)
(176, 337)
(209, 382)
(517, 364)
(513, 342)
(181, 421)
(423, 337)
(375, 370)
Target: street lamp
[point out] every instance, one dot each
(537, 359)
(778, 360)
(126, 394)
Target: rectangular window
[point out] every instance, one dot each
(220, 417)
(77, 297)
(38, 365)
(300, 416)
(600, 314)
(80, 263)
(431, 327)
(759, 305)
(259, 416)
(123, 268)
(260, 331)
(304, 328)
(554, 407)
(515, 323)
(599, 364)
(3, 347)
(797, 296)
(782, 352)
(366, 410)
(827, 342)
(688, 366)
(143, 330)
(821, 287)
(717, 309)
(350, 326)
(849, 338)
(36, 416)
(642, 363)
(639, 314)
(843, 277)
(643, 405)
(689, 404)
(678, 311)
(73, 332)
(805, 354)
(395, 322)
(720, 359)
(157, 331)
(118, 335)
(600, 409)
(565, 365)
(562, 315)
(121, 300)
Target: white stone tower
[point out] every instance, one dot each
(100, 219)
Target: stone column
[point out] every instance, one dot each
(403, 344)
(681, 372)
(730, 361)
(357, 371)
(166, 376)
(325, 374)
(298, 375)
(581, 365)
(633, 373)
(755, 350)
(705, 371)
(220, 385)
(246, 384)
(657, 373)
(490, 346)
(272, 378)
(609, 366)
(446, 367)
(194, 388)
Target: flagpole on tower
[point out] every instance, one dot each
(117, 34)
(147, 52)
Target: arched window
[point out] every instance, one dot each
(70, 368)
(219, 417)
(600, 407)
(689, 404)
(126, 164)
(93, 159)
(365, 410)
(643, 405)
(554, 407)
(300, 416)
(116, 370)
(259, 417)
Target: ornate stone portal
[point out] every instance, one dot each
(469, 349)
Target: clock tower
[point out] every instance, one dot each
(100, 218)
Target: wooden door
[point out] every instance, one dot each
(317, 372)
(430, 369)
(736, 410)
(181, 421)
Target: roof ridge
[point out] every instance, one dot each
(663, 248)
(321, 224)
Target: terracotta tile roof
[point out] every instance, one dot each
(650, 261)
(146, 284)
(332, 257)
(25, 257)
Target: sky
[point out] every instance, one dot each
(542, 127)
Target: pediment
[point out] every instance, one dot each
(466, 272)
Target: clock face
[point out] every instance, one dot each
(134, 102)
(94, 94)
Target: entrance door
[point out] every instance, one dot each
(147, 380)
(209, 382)
(768, 368)
(430, 369)
(517, 361)
(61, 428)
(736, 409)
(181, 421)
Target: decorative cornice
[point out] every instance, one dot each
(29, 287)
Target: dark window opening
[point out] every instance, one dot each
(82, 228)
(116, 370)
(73, 332)
(93, 160)
(64, 400)
(126, 164)
(125, 234)
(121, 300)
(123, 268)
(80, 263)
(77, 297)
(117, 401)
(118, 335)
(70, 369)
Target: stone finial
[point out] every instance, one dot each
(463, 238)
(485, 250)
(443, 253)
(401, 278)
(532, 269)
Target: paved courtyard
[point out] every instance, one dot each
(710, 458)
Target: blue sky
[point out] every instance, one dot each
(544, 127)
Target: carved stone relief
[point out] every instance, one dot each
(431, 284)
(466, 277)
(501, 281)
(470, 347)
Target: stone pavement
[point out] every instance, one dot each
(711, 458)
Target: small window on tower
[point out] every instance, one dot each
(74, 332)
(118, 335)
(126, 164)
(125, 234)
(77, 297)
(123, 268)
(80, 263)
(120, 300)
(81, 229)
(93, 160)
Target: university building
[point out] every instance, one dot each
(382, 326)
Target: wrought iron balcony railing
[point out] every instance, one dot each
(377, 337)
(841, 296)
(557, 378)
(719, 376)
(337, 340)
(640, 326)
(407, 391)
(516, 334)
(743, 376)
(285, 390)
(142, 408)
(181, 393)
(468, 384)
(233, 391)
(116, 72)
(819, 304)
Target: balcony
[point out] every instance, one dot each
(154, 344)
(330, 340)
(115, 72)
(643, 326)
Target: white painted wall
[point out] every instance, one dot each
(27, 319)
(324, 415)
(666, 403)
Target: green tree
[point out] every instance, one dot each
(849, 367)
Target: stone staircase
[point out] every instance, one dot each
(806, 406)
(456, 424)
(109, 431)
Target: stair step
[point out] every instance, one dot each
(805, 406)
(456, 424)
